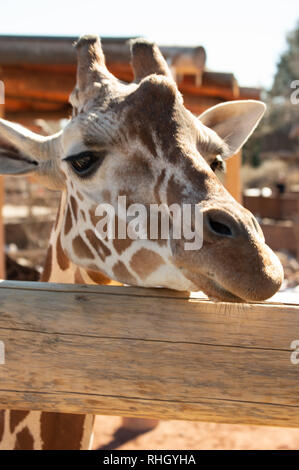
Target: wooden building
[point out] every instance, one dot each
(39, 73)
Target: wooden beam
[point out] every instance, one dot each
(147, 353)
(20, 108)
(2, 240)
(249, 93)
(198, 104)
(59, 50)
(233, 176)
(39, 83)
(32, 114)
(214, 84)
(53, 84)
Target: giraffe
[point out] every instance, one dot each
(138, 140)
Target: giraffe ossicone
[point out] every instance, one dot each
(139, 141)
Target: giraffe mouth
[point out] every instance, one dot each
(216, 292)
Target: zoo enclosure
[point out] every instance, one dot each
(216, 361)
(39, 75)
(148, 353)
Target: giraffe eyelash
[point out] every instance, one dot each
(85, 163)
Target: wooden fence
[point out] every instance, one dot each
(280, 221)
(147, 353)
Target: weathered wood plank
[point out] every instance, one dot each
(2, 241)
(119, 290)
(233, 176)
(247, 325)
(116, 350)
(27, 50)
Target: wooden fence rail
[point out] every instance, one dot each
(147, 352)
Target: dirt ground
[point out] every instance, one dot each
(181, 435)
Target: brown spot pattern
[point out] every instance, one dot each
(145, 261)
(106, 196)
(83, 215)
(24, 440)
(81, 249)
(122, 244)
(74, 206)
(158, 185)
(58, 214)
(136, 128)
(101, 249)
(78, 277)
(155, 109)
(68, 221)
(139, 168)
(15, 418)
(2, 417)
(122, 274)
(147, 140)
(47, 266)
(202, 180)
(175, 191)
(94, 218)
(61, 431)
(62, 259)
(80, 196)
(98, 277)
(94, 268)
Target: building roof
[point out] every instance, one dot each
(39, 74)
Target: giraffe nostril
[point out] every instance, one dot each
(219, 227)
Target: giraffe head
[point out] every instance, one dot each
(138, 140)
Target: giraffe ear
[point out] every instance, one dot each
(234, 122)
(12, 162)
(23, 152)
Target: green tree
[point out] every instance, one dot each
(288, 66)
(282, 115)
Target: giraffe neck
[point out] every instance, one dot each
(59, 268)
(44, 430)
(39, 430)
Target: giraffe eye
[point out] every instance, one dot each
(218, 164)
(86, 163)
(83, 163)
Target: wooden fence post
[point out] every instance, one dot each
(2, 241)
(296, 230)
(148, 353)
(233, 176)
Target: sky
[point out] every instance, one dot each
(245, 38)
